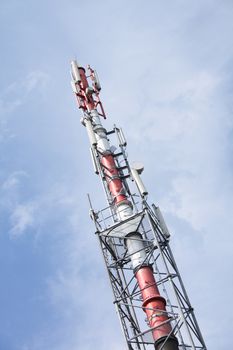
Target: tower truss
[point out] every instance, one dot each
(149, 294)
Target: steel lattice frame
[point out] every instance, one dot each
(125, 288)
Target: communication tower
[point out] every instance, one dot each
(149, 294)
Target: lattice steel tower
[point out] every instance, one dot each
(134, 239)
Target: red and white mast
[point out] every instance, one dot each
(126, 242)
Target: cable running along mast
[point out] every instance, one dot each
(134, 238)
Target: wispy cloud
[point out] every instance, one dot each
(40, 209)
(17, 92)
(22, 218)
(13, 180)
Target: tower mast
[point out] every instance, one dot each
(134, 238)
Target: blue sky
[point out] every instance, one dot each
(166, 71)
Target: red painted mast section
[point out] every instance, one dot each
(154, 304)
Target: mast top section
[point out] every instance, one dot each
(86, 87)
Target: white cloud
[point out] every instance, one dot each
(13, 180)
(80, 294)
(22, 218)
(50, 206)
(35, 80)
(17, 93)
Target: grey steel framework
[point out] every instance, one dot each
(127, 297)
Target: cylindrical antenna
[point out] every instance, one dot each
(140, 185)
(96, 81)
(75, 71)
(94, 162)
(161, 221)
(122, 137)
(90, 132)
